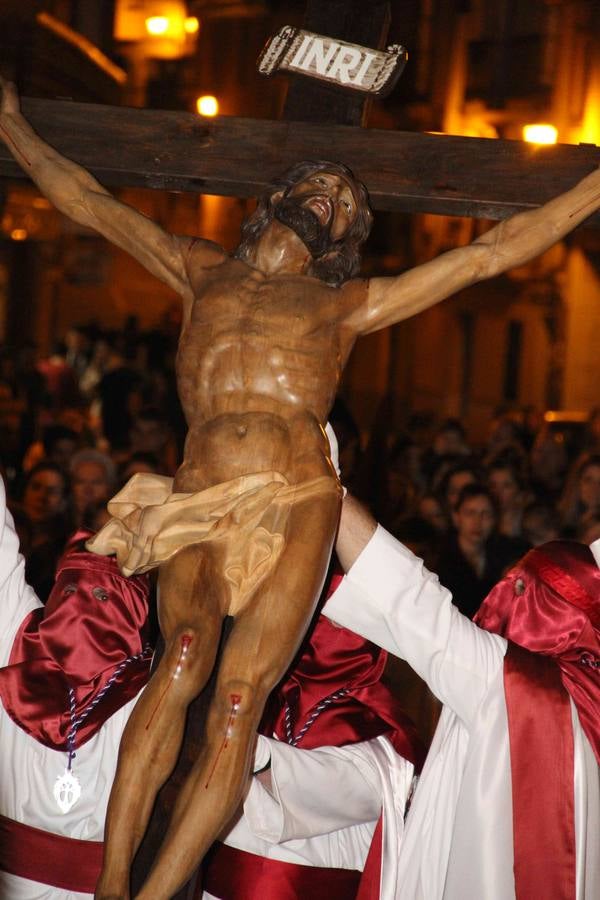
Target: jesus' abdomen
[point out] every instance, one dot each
(255, 388)
(253, 404)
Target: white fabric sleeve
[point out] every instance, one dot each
(389, 597)
(262, 753)
(316, 792)
(16, 597)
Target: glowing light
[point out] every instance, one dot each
(540, 133)
(207, 105)
(191, 25)
(157, 25)
(19, 234)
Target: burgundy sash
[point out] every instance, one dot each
(541, 751)
(371, 876)
(65, 863)
(233, 874)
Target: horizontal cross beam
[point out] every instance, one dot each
(407, 171)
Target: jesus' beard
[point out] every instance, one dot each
(314, 235)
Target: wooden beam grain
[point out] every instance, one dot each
(405, 171)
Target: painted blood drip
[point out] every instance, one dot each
(588, 203)
(235, 699)
(186, 640)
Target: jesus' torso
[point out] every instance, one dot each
(258, 366)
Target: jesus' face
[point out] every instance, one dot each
(319, 209)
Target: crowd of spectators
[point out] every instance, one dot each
(75, 426)
(473, 511)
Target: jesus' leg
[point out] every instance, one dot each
(262, 643)
(190, 618)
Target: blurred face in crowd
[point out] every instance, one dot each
(455, 485)
(540, 526)
(474, 520)
(89, 484)
(589, 487)
(62, 451)
(503, 431)
(149, 436)
(76, 341)
(430, 510)
(504, 487)
(44, 495)
(449, 442)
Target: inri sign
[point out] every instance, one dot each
(332, 60)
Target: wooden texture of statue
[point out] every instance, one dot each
(246, 527)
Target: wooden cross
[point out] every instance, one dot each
(405, 171)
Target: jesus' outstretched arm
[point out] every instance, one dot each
(511, 243)
(77, 194)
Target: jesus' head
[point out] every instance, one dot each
(326, 206)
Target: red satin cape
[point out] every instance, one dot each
(548, 605)
(94, 620)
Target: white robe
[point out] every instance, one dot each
(28, 770)
(458, 839)
(313, 816)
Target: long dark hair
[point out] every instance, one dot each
(343, 260)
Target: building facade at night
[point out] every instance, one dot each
(475, 68)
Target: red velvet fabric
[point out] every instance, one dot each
(332, 658)
(64, 863)
(539, 716)
(549, 604)
(94, 620)
(237, 875)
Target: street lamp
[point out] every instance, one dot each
(157, 29)
(157, 25)
(207, 105)
(540, 133)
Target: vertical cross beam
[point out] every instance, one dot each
(365, 23)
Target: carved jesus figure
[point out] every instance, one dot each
(265, 336)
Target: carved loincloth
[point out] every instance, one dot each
(151, 524)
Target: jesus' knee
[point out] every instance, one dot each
(186, 662)
(236, 706)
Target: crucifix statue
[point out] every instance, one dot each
(247, 525)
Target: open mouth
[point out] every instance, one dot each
(322, 207)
